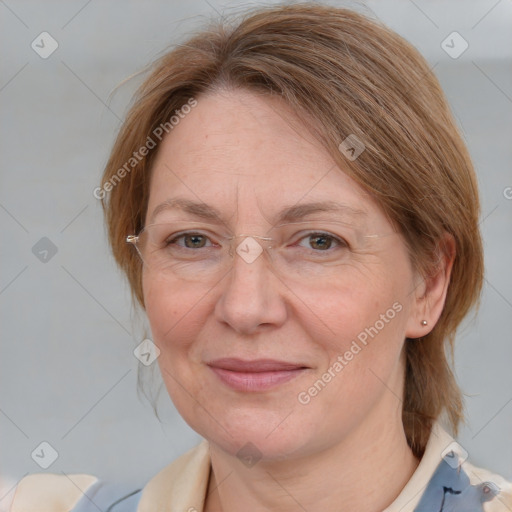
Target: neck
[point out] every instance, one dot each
(366, 471)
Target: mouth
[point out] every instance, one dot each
(256, 375)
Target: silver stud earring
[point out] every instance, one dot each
(424, 322)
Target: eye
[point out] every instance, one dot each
(190, 240)
(322, 242)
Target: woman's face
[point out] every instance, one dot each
(294, 362)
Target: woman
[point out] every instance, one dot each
(297, 215)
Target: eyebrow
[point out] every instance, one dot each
(288, 214)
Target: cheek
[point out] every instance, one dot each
(364, 324)
(176, 316)
(172, 312)
(345, 311)
(363, 348)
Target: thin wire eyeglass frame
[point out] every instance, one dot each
(135, 239)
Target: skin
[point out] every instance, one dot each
(249, 156)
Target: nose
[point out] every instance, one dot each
(252, 296)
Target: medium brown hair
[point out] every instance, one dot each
(350, 75)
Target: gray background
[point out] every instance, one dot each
(68, 375)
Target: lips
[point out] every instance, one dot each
(256, 366)
(255, 375)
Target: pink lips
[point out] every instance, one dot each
(257, 375)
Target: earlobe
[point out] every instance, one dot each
(430, 295)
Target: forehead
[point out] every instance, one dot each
(236, 150)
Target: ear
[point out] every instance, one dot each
(430, 292)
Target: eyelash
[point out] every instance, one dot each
(339, 241)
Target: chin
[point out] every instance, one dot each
(263, 434)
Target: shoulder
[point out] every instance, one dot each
(495, 491)
(446, 481)
(458, 485)
(183, 482)
(49, 492)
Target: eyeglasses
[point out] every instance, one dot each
(197, 251)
